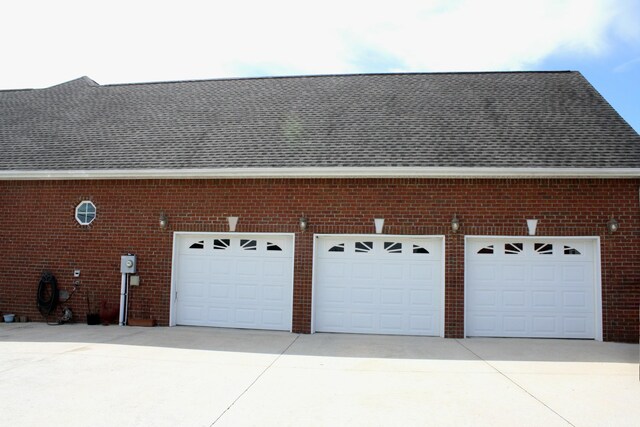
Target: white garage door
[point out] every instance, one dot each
(234, 280)
(531, 287)
(379, 285)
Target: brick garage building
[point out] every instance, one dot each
(455, 164)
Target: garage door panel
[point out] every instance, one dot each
(335, 269)
(421, 297)
(362, 321)
(544, 325)
(522, 326)
(577, 325)
(516, 325)
(235, 281)
(273, 317)
(218, 291)
(193, 312)
(392, 271)
(274, 268)
(334, 319)
(545, 299)
(247, 292)
(196, 290)
(362, 296)
(422, 271)
(392, 296)
(483, 323)
(391, 323)
(574, 273)
(543, 274)
(373, 284)
(246, 317)
(514, 299)
(549, 291)
(194, 265)
(220, 267)
(576, 299)
(424, 323)
(483, 272)
(362, 271)
(334, 294)
(274, 293)
(514, 273)
(218, 315)
(483, 298)
(247, 268)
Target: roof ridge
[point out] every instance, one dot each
(16, 90)
(303, 76)
(78, 82)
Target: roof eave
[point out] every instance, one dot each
(322, 172)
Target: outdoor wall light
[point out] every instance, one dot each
(612, 225)
(304, 222)
(455, 224)
(233, 221)
(164, 221)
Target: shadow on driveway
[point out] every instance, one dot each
(326, 345)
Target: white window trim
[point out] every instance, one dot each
(82, 203)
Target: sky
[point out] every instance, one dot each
(44, 43)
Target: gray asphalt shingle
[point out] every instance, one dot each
(522, 119)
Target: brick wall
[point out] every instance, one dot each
(39, 232)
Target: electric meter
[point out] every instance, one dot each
(128, 264)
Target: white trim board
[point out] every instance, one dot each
(322, 172)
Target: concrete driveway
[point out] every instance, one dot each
(78, 375)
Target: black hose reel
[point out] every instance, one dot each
(48, 294)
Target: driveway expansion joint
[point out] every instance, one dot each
(255, 380)
(514, 382)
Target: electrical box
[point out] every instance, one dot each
(134, 280)
(128, 264)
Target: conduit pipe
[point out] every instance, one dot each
(127, 266)
(123, 299)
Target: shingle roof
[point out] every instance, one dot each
(440, 120)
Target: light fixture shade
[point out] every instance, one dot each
(532, 224)
(304, 222)
(612, 225)
(233, 221)
(379, 223)
(455, 223)
(164, 221)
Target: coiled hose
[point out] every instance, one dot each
(47, 294)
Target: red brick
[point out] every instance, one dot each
(39, 231)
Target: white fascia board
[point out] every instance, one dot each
(322, 172)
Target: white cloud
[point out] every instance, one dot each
(45, 43)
